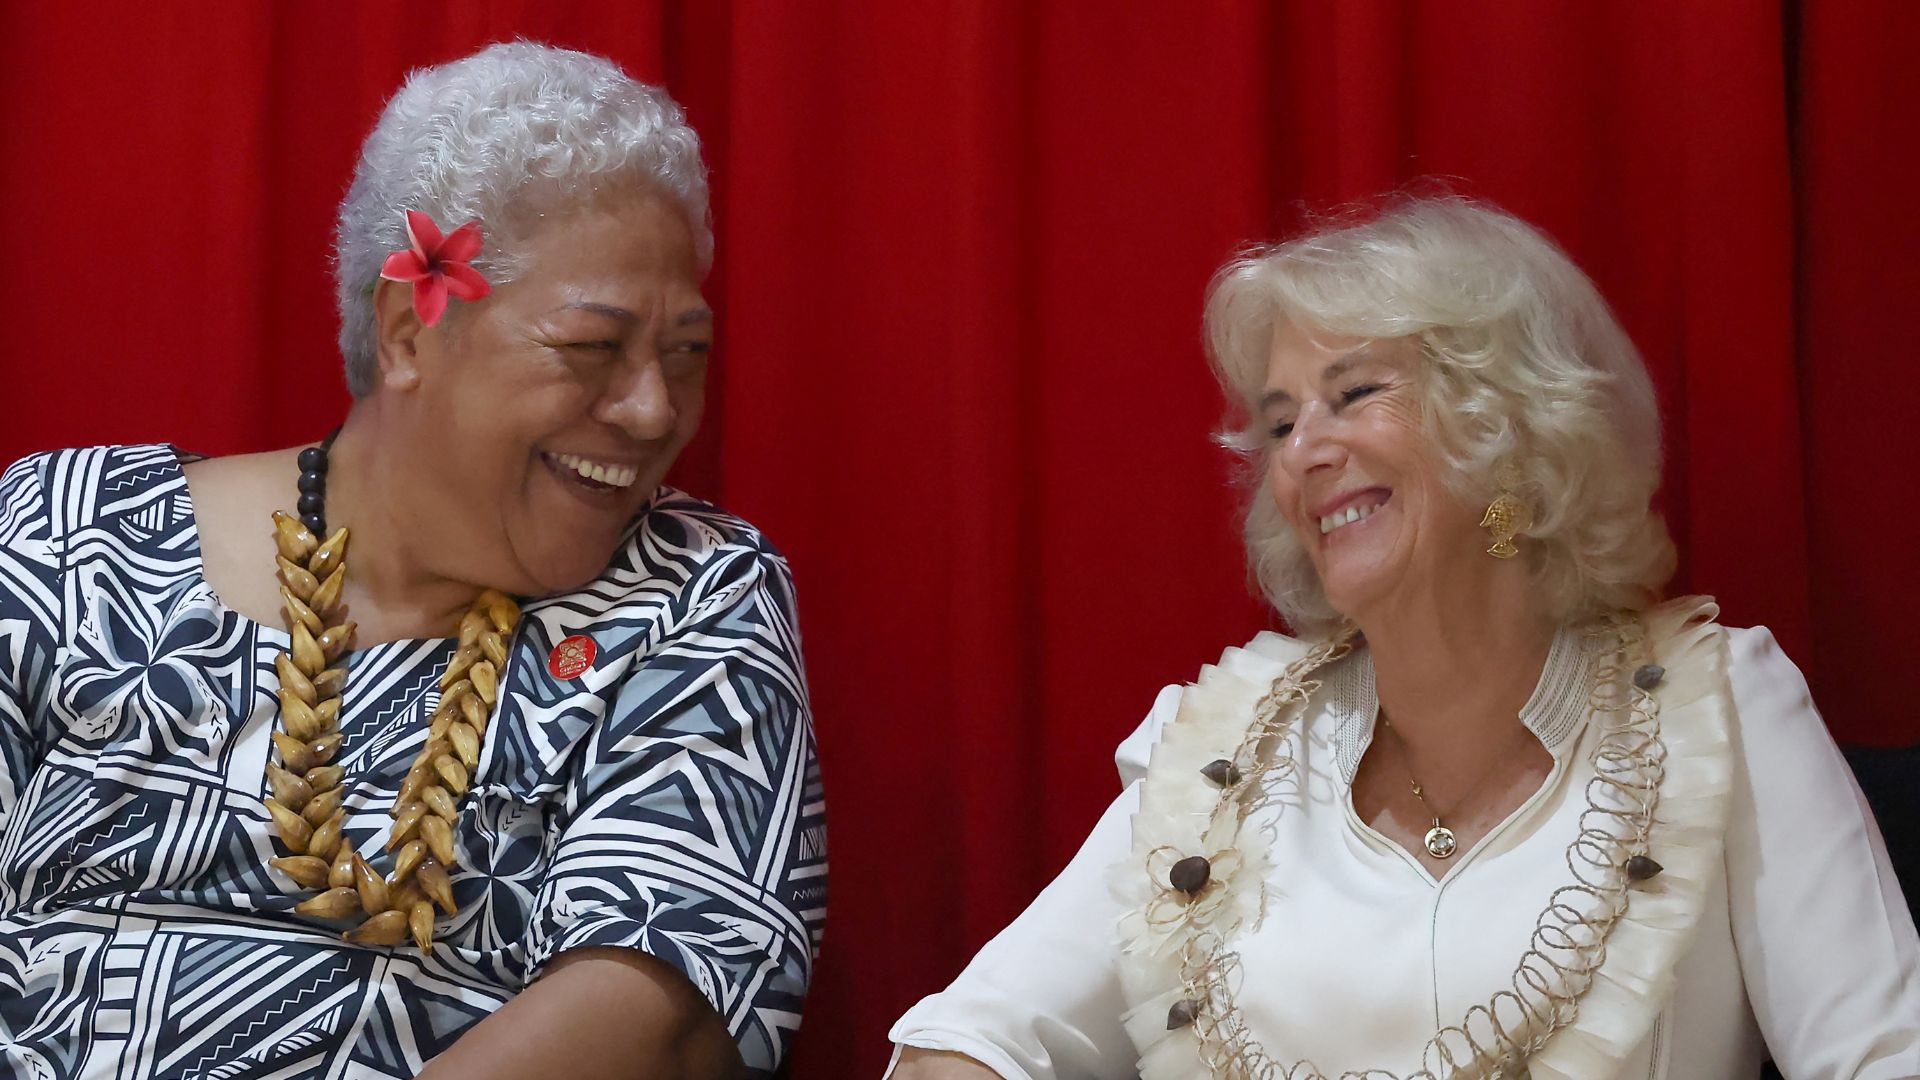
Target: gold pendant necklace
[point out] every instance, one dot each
(1440, 841)
(306, 804)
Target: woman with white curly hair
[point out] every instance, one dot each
(456, 744)
(1499, 810)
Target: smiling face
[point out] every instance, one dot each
(1354, 472)
(546, 415)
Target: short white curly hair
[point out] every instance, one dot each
(1525, 365)
(465, 140)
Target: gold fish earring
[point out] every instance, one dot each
(1507, 516)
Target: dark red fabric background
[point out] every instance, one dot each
(962, 252)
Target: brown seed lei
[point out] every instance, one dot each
(307, 791)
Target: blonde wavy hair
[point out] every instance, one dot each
(1526, 366)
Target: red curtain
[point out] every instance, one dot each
(963, 245)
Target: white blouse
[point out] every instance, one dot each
(1806, 951)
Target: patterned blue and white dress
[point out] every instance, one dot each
(667, 798)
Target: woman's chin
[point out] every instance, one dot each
(1352, 591)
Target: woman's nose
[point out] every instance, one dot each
(639, 403)
(1312, 443)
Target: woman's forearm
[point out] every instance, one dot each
(603, 1014)
(918, 1064)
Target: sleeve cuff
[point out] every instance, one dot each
(616, 930)
(986, 1053)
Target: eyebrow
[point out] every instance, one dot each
(1346, 362)
(685, 318)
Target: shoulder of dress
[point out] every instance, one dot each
(74, 484)
(681, 556)
(28, 473)
(1753, 646)
(697, 526)
(60, 465)
(1774, 703)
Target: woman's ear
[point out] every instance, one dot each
(396, 335)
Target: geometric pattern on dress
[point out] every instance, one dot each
(667, 799)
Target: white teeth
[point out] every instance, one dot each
(611, 475)
(1347, 517)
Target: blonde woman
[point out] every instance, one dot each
(1498, 810)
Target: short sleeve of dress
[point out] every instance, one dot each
(693, 830)
(29, 621)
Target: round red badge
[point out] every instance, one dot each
(571, 657)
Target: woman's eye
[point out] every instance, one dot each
(688, 358)
(1358, 392)
(597, 346)
(1281, 430)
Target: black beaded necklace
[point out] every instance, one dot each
(313, 485)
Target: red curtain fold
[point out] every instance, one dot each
(962, 250)
(1856, 149)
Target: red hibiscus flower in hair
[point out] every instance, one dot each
(437, 265)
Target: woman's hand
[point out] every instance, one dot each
(603, 1014)
(918, 1064)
